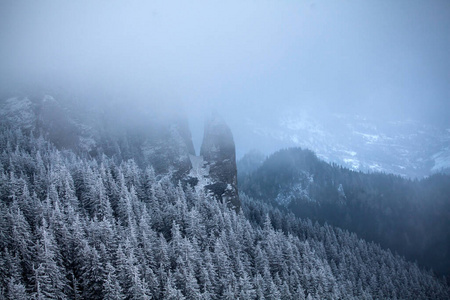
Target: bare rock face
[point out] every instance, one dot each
(218, 151)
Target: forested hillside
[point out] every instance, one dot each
(76, 227)
(406, 216)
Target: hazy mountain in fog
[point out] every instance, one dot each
(102, 193)
(250, 162)
(79, 221)
(408, 148)
(245, 59)
(150, 135)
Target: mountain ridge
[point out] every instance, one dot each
(408, 216)
(358, 142)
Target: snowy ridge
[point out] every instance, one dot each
(407, 148)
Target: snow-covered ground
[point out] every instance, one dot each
(200, 170)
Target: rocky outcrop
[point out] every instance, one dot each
(219, 154)
(144, 135)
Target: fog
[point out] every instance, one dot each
(248, 60)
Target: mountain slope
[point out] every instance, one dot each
(77, 227)
(157, 136)
(94, 224)
(410, 217)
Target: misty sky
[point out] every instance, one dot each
(242, 58)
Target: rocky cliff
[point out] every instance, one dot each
(149, 137)
(218, 152)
